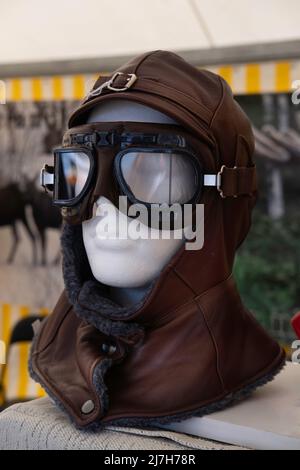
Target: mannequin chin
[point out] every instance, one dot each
(122, 262)
(118, 260)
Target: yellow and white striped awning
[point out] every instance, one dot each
(265, 77)
(17, 383)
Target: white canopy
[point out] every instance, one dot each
(35, 31)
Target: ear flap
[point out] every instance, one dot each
(244, 152)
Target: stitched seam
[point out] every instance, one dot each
(65, 402)
(144, 58)
(183, 94)
(169, 315)
(170, 88)
(219, 285)
(183, 280)
(200, 105)
(44, 379)
(214, 116)
(39, 351)
(214, 344)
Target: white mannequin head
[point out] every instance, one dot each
(119, 262)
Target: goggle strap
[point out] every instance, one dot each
(230, 182)
(233, 182)
(46, 177)
(210, 180)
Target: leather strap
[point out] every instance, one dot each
(148, 85)
(237, 181)
(230, 182)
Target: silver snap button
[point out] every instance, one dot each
(88, 407)
(108, 348)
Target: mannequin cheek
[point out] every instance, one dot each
(128, 263)
(138, 266)
(131, 256)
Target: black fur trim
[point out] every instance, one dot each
(98, 381)
(228, 400)
(90, 298)
(91, 302)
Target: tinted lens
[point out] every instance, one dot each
(160, 177)
(72, 171)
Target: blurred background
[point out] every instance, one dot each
(52, 53)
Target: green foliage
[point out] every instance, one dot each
(267, 267)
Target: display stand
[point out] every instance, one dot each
(268, 420)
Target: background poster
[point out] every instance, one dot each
(267, 266)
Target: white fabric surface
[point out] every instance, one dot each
(39, 425)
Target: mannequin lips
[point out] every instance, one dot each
(109, 228)
(114, 244)
(109, 238)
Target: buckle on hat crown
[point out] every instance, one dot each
(131, 78)
(129, 81)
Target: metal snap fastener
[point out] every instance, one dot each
(88, 407)
(108, 348)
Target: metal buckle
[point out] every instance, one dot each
(46, 178)
(130, 81)
(219, 181)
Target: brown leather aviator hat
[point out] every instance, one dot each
(190, 347)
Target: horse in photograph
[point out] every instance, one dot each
(45, 215)
(12, 210)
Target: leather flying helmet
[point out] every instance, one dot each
(190, 346)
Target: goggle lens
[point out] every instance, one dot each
(159, 177)
(72, 169)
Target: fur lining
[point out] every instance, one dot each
(228, 400)
(98, 381)
(90, 298)
(90, 303)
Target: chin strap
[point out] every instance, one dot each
(233, 182)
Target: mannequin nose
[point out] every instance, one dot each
(101, 201)
(99, 206)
